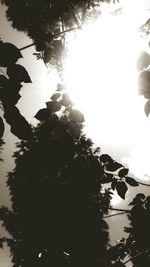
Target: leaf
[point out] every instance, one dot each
(123, 172)
(121, 188)
(113, 166)
(140, 196)
(131, 181)
(113, 184)
(18, 73)
(107, 178)
(43, 114)
(60, 87)
(136, 201)
(105, 158)
(55, 96)
(54, 106)
(77, 116)
(19, 126)
(2, 127)
(9, 54)
(66, 101)
(147, 108)
(3, 81)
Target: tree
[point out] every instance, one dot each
(61, 186)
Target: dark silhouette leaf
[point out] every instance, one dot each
(43, 114)
(140, 196)
(107, 178)
(55, 96)
(113, 166)
(131, 181)
(54, 106)
(113, 184)
(123, 172)
(19, 126)
(147, 108)
(2, 127)
(9, 54)
(18, 73)
(3, 81)
(105, 158)
(121, 188)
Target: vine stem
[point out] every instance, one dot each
(27, 46)
(122, 210)
(119, 213)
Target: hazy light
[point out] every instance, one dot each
(101, 76)
(102, 80)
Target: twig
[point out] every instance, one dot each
(124, 210)
(108, 216)
(27, 46)
(133, 257)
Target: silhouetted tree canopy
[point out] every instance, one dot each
(61, 186)
(47, 21)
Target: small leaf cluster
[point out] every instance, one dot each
(10, 86)
(116, 174)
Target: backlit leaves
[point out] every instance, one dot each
(43, 114)
(105, 158)
(113, 166)
(131, 181)
(54, 106)
(147, 108)
(9, 54)
(55, 96)
(121, 188)
(18, 73)
(76, 116)
(123, 172)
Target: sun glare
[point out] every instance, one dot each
(101, 78)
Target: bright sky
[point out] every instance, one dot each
(101, 77)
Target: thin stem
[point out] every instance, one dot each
(143, 183)
(63, 32)
(124, 210)
(108, 216)
(27, 46)
(133, 257)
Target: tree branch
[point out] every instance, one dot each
(27, 46)
(108, 216)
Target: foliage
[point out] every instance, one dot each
(46, 22)
(61, 186)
